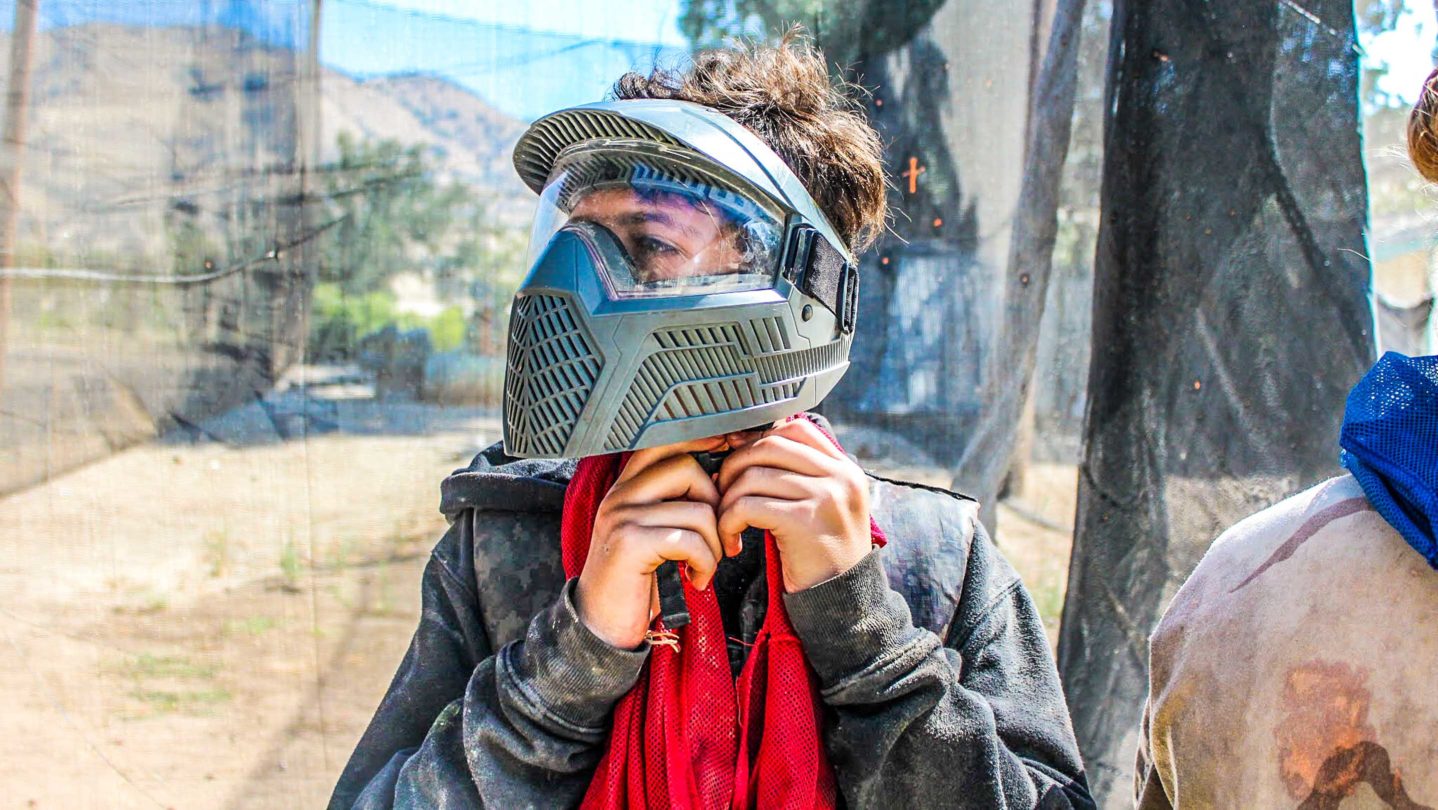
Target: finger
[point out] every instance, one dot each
(775, 451)
(655, 545)
(667, 479)
(696, 517)
(773, 482)
(770, 514)
(743, 438)
(807, 433)
(641, 460)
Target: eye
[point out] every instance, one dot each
(656, 259)
(650, 246)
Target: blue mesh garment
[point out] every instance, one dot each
(1390, 444)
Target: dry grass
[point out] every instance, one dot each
(212, 626)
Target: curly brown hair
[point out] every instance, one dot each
(1423, 130)
(785, 95)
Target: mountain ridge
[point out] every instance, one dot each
(129, 125)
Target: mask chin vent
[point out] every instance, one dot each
(552, 367)
(707, 370)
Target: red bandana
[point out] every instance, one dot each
(688, 736)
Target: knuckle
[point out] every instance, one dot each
(618, 516)
(698, 509)
(807, 514)
(683, 462)
(677, 538)
(621, 535)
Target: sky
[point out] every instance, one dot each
(527, 57)
(546, 54)
(1407, 50)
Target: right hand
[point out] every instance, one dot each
(660, 508)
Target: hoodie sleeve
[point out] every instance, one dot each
(461, 724)
(975, 720)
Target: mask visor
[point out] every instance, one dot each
(682, 225)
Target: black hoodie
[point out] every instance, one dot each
(938, 685)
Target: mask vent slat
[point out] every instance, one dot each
(552, 367)
(538, 148)
(704, 370)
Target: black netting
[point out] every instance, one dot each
(163, 251)
(258, 307)
(1231, 315)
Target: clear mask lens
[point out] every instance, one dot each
(682, 227)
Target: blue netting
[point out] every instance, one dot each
(1390, 444)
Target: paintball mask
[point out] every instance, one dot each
(682, 284)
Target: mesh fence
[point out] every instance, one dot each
(259, 257)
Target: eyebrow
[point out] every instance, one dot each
(641, 217)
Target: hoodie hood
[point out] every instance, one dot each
(1390, 444)
(495, 481)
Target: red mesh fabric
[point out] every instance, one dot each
(687, 735)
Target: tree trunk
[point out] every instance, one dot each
(12, 147)
(953, 114)
(988, 455)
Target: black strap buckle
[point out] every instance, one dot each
(821, 271)
(800, 253)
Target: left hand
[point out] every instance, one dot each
(800, 487)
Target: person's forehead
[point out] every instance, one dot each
(630, 207)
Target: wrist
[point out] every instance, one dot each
(597, 615)
(836, 563)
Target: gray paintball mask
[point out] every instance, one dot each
(682, 284)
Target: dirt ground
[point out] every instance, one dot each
(210, 623)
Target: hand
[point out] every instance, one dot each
(797, 484)
(660, 508)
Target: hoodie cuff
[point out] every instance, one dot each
(568, 673)
(852, 622)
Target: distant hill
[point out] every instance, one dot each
(470, 140)
(128, 125)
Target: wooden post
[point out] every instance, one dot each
(12, 149)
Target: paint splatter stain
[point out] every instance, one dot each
(1326, 745)
(1325, 708)
(1365, 763)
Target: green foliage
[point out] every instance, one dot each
(168, 701)
(847, 32)
(191, 251)
(338, 322)
(149, 665)
(447, 330)
(290, 566)
(250, 625)
(164, 684)
(394, 216)
(1375, 17)
(217, 552)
